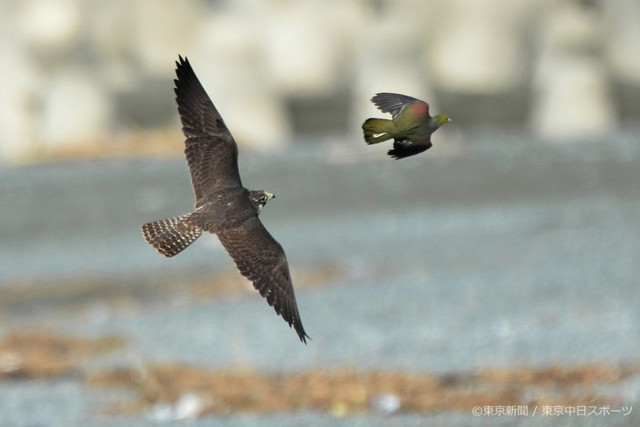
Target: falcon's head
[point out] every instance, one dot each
(260, 198)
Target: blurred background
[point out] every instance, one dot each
(497, 270)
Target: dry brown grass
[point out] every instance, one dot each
(348, 391)
(47, 355)
(27, 355)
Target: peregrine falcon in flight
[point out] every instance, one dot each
(223, 206)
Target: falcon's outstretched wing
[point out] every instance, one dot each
(261, 259)
(393, 102)
(212, 153)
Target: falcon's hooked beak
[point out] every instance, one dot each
(269, 195)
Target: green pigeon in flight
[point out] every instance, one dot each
(410, 126)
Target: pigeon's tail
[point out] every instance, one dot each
(377, 130)
(171, 236)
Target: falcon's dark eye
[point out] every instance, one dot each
(264, 199)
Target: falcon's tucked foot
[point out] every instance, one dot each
(171, 236)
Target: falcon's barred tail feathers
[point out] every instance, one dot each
(381, 127)
(172, 235)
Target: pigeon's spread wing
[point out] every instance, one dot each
(261, 259)
(393, 102)
(212, 153)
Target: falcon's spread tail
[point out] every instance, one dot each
(381, 127)
(171, 236)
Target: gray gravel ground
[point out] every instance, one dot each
(504, 253)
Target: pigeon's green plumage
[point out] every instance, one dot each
(410, 127)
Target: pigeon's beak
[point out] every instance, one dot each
(449, 119)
